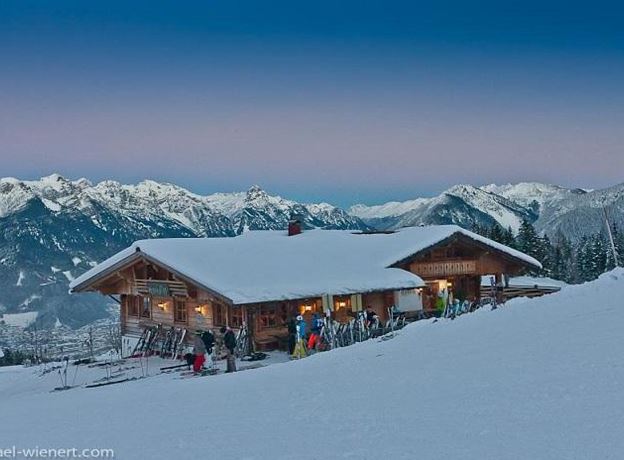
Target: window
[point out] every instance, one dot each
(342, 308)
(267, 316)
(179, 311)
(341, 303)
(146, 307)
(132, 304)
(218, 313)
(236, 318)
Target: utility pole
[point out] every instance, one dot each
(613, 248)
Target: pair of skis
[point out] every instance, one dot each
(243, 342)
(167, 344)
(147, 340)
(178, 343)
(141, 342)
(173, 342)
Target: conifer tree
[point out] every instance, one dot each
(508, 238)
(562, 259)
(598, 256)
(583, 256)
(529, 242)
(545, 255)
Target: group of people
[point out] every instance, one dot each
(203, 344)
(299, 343)
(449, 306)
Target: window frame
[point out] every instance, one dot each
(176, 308)
(146, 305)
(237, 318)
(219, 314)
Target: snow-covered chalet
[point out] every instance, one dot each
(263, 278)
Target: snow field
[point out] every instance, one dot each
(535, 379)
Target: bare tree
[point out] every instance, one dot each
(113, 338)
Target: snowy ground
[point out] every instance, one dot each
(537, 379)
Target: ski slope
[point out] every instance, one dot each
(536, 379)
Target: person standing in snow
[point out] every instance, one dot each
(371, 316)
(292, 335)
(455, 308)
(300, 348)
(208, 339)
(199, 350)
(229, 340)
(301, 327)
(440, 304)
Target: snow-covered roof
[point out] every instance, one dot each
(268, 265)
(529, 282)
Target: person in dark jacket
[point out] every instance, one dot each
(229, 340)
(371, 316)
(208, 339)
(292, 335)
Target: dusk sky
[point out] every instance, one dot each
(341, 101)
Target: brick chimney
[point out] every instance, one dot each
(294, 226)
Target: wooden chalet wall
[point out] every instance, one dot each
(460, 257)
(163, 289)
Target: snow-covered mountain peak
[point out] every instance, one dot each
(462, 189)
(532, 195)
(256, 193)
(84, 183)
(14, 195)
(53, 179)
(468, 192)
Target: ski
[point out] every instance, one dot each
(96, 385)
(203, 373)
(177, 366)
(179, 344)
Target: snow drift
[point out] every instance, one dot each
(536, 379)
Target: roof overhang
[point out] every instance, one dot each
(137, 255)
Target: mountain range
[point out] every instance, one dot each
(550, 208)
(53, 229)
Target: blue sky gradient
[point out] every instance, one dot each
(340, 101)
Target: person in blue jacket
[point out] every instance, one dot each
(300, 347)
(301, 327)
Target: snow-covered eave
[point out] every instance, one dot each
(510, 253)
(534, 286)
(336, 292)
(88, 280)
(529, 283)
(104, 269)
